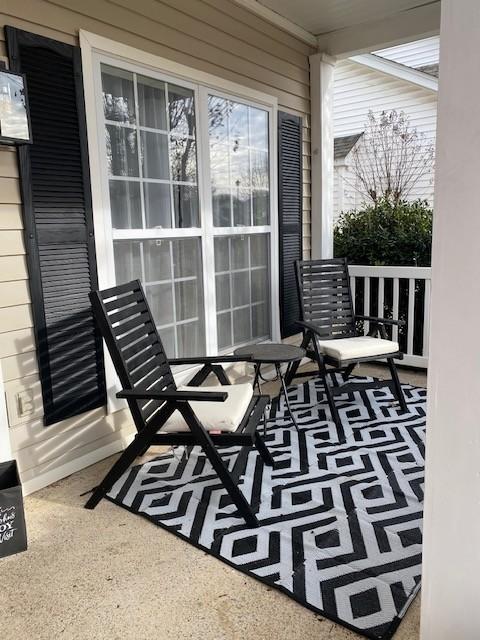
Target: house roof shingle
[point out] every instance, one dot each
(344, 144)
(429, 69)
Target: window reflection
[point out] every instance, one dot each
(239, 163)
(150, 139)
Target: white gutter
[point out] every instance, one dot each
(397, 70)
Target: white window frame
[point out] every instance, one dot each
(97, 49)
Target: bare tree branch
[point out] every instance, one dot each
(391, 157)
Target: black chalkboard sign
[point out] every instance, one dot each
(13, 535)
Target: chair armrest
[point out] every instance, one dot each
(209, 360)
(399, 323)
(177, 396)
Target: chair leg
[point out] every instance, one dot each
(292, 369)
(140, 443)
(328, 392)
(348, 371)
(263, 450)
(400, 396)
(217, 463)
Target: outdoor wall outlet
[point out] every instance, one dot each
(25, 403)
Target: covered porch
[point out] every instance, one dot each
(101, 579)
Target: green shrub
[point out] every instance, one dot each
(386, 234)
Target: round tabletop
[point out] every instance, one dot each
(271, 352)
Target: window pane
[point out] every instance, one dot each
(222, 254)
(158, 209)
(191, 339)
(259, 250)
(222, 288)
(157, 259)
(241, 288)
(260, 205)
(219, 171)
(221, 205)
(242, 280)
(181, 110)
(118, 95)
(186, 299)
(154, 155)
(175, 295)
(151, 103)
(260, 321)
(239, 168)
(258, 120)
(241, 207)
(259, 167)
(122, 157)
(167, 336)
(183, 159)
(218, 110)
(239, 252)
(238, 124)
(185, 201)
(241, 325)
(128, 263)
(239, 160)
(160, 299)
(260, 285)
(125, 204)
(187, 258)
(224, 330)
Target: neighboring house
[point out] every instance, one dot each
(404, 78)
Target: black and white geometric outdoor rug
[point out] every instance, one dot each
(340, 516)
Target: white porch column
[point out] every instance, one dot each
(451, 564)
(321, 96)
(5, 447)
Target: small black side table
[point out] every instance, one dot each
(276, 354)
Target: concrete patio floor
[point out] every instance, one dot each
(108, 574)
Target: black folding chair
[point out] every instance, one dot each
(330, 335)
(127, 325)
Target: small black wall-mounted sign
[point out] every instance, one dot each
(13, 535)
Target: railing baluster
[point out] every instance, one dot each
(381, 296)
(396, 303)
(366, 304)
(426, 317)
(411, 315)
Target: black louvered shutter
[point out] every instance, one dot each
(290, 193)
(58, 223)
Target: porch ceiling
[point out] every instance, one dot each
(323, 16)
(344, 27)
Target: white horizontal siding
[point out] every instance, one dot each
(414, 54)
(357, 90)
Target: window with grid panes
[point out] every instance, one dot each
(162, 234)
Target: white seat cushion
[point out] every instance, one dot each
(215, 416)
(359, 347)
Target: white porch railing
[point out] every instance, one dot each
(399, 292)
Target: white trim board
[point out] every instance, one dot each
(397, 70)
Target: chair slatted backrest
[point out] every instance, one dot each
(325, 296)
(132, 339)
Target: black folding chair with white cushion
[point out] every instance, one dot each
(330, 335)
(189, 415)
